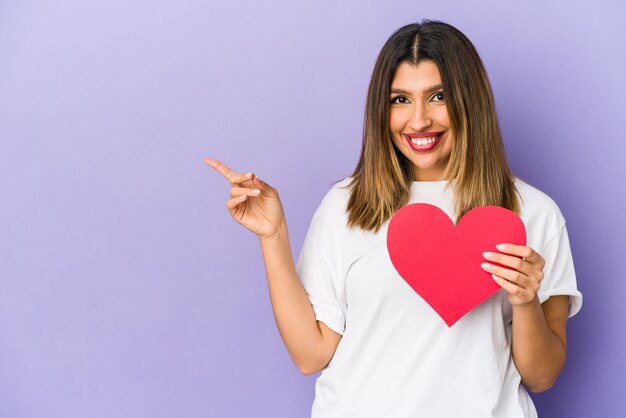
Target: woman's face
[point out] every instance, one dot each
(418, 119)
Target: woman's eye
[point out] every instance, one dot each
(439, 96)
(399, 100)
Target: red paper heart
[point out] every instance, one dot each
(441, 261)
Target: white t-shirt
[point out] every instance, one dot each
(397, 358)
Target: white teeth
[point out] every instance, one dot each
(423, 141)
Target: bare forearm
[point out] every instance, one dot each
(538, 353)
(292, 308)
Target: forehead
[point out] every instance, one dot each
(416, 78)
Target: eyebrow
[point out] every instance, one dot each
(428, 90)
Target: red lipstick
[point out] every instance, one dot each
(426, 147)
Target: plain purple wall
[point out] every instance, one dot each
(126, 290)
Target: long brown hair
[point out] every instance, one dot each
(478, 166)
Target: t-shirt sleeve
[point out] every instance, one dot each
(559, 275)
(321, 284)
(319, 263)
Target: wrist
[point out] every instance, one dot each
(532, 304)
(279, 232)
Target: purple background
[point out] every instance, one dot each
(126, 289)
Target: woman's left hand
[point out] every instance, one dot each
(521, 280)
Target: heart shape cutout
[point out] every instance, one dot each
(441, 261)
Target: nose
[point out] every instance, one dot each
(420, 118)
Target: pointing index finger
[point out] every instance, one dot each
(230, 175)
(221, 168)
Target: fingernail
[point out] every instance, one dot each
(255, 191)
(487, 255)
(486, 266)
(248, 175)
(501, 247)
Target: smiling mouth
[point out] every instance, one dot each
(424, 143)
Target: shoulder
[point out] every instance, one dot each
(331, 214)
(336, 199)
(539, 212)
(535, 202)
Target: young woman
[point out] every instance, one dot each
(431, 135)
